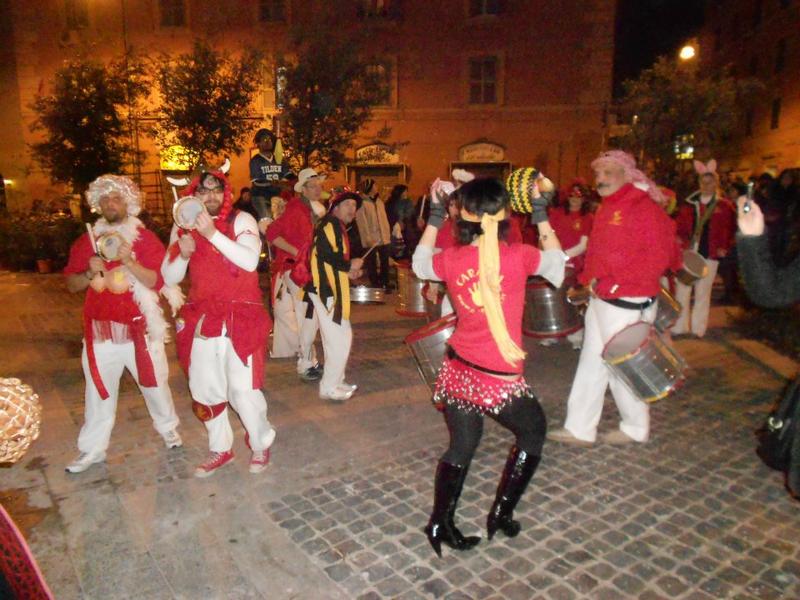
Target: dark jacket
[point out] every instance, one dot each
(772, 287)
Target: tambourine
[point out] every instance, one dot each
(108, 245)
(186, 210)
(518, 185)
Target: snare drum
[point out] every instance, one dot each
(410, 301)
(362, 294)
(186, 210)
(641, 358)
(694, 268)
(668, 310)
(428, 346)
(548, 313)
(108, 245)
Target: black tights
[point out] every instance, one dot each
(523, 416)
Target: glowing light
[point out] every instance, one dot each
(688, 52)
(176, 158)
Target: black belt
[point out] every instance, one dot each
(630, 305)
(451, 354)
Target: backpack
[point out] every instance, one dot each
(775, 437)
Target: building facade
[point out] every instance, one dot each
(760, 38)
(482, 84)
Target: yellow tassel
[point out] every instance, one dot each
(278, 151)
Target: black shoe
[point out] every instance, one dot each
(441, 527)
(312, 373)
(520, 467)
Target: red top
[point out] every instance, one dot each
(222, 293)
(446, 236)
(633, 243)
(106, 306)
(570, 227)
(296, 226)
(458, 268)
(721, 225)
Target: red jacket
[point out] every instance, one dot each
(296, 226)
(721, 225)
(633, 243)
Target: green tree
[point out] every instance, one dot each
(328, 91)
(670, 100)
(206, 101)
(85, 120)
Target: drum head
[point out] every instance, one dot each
(186, 210)
(627, 342)
(108, 246)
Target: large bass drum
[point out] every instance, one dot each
(428, 346)
(410, 301)
(547, 311)
(648, 365)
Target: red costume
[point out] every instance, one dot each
(633, 243)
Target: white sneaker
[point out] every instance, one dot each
(337, 395)
(172, 439)
(347, 387)
(84, 461)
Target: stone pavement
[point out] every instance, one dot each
(339, 513)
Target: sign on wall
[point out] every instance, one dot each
(481, 152)
(377, 153)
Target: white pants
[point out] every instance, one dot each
(702, 302)
(216, 375)
(306, 328)
(285, 334)
(585, 404)
(337, 340)
(99, 415)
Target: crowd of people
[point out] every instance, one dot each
(619, 240)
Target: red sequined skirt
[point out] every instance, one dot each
(473, 390)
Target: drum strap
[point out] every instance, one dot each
(451, 354)
(630, 305)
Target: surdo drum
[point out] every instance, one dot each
(186, 210)
(547, 311)
(361, 294)
(410, 301)
(428, 346)
(648, 365)
(694, 268)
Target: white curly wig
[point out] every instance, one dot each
(108, 184)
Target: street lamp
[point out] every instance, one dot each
(688, 52)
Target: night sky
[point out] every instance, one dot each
(647, 29)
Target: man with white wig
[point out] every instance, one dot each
(633, 243)
(123, 325)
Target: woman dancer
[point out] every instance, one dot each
(482, 374)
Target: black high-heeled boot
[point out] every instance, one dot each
(520, 467)
(441, 527)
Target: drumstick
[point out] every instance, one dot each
(368, 251)
(93, 242)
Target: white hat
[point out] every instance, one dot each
(304, 176)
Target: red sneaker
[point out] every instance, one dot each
(259, 461)
(214, 462)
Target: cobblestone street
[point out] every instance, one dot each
(692, 514)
